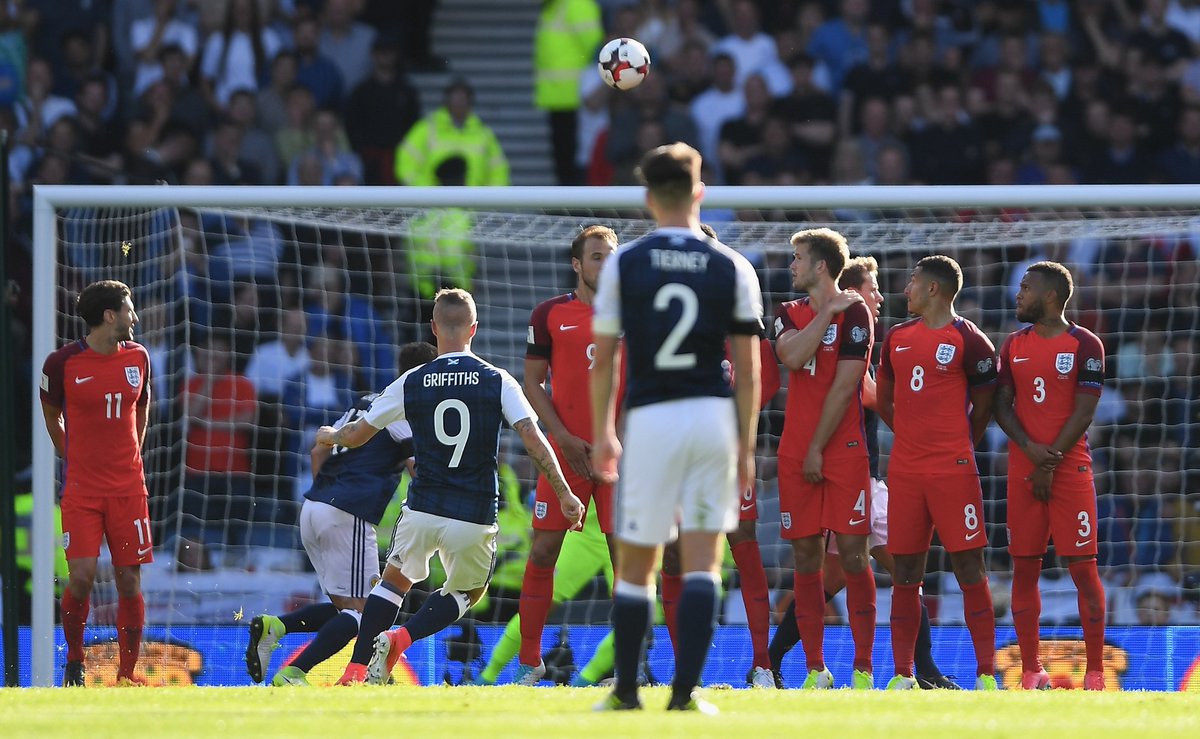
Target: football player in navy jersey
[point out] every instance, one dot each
(677, 296)
(351, 488)
(456, 405)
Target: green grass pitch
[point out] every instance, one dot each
(235, 713)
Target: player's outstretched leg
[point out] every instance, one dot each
(266, 630)
(441, 609)
(379, 613)
(330, 639)
(1026, 612)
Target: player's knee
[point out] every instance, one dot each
(545, 549)
(968, 566)
(745, 531)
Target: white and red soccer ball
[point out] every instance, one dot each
(624, 63)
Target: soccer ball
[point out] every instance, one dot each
(624, 63)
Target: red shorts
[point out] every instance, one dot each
(1069, 516)
(123, 520)
(918, 503)
(547, 513)
(840, 503)
(748, 505)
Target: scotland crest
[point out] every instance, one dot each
(539, 509)
(830, 335)
(785, 518)
(134, 375)
(945, 353)
(1064, 362)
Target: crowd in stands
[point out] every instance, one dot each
(772, 92)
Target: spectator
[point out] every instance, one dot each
(273, 362)
(55, 19)
(452, 130)
(1181, 163)
(1157, 106)
(13, 55)
(720, 103)
(876, 77)
(1184, 16)
(333, 311)
(272, 99)
(313, 69)
(258, 147)
(440, 252)
(690, 76)
(382, 110)
(779, 160)
(741, 138)
(1121, 161)
(297, 135)
(841, 43)
(1006, 126)
(1047, 152)
(1155, 596)
(331, 147)
(229, 168)
(316, 397)
(565, 42)
(345, 41)
(753, 51)
(810, 113)
(1053, 66)
(683, 29)
(1159, 41)
(187, 104)
(149, 35)
(100, 139)
(876, 133)
(236, 57)
(40, 108)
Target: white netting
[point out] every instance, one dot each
(227, 288)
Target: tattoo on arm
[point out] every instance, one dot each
(541, 455)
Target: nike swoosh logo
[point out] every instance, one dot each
(972, 536)
(1085, 542)
(144, 552)
(747, 506)
(562, 327)
(81, 380)
(856, 521)
(1018, 360)
(903, 348)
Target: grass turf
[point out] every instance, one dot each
(514, 711)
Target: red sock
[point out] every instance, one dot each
(860, 603)
(1092, 608)
(1027, 609)
(756, 597)
(810, 617)
(74, 617)
(981, 622)
(672, 588)
(131, 617)
(906, 622)
(537, 595)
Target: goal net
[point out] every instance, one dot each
(267, 311)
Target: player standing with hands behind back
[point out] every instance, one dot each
(1051, 377)
(677, 296)
(95, 400)
(937, 376)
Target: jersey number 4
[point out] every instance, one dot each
(668, 357)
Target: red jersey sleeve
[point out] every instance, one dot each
(52, 379)
(538, 342)
(1089, 358)
(144, 390)
(1004, 371)
(979, 357)
(885, 359)
(771, 380)
(856, 333)
(783, 319)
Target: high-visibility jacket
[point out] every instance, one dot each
(569, 34)
(435, 138)
(440, 252)
(23, 506)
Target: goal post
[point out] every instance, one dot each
(529, 221)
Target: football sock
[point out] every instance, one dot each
(631, 613)
(439, 611)
(923, 656)
(74, 617)
(335, 634)
(787, 635)
(309, 618)
(506, 648)
(131, 617)
(860, 605)
(698, 608)
(601, 662)
(905, 619)
(672, 586)
(756, 598)
(981, 622)
(383, 605)
(1092, 608)
(810, 617)
(1027, 609)
(537, 591)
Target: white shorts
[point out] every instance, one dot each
(678, 471)
(467, 550)
(879, 526)
(342, 549)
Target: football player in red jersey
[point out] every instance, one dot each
(937, 377)
(824, 474)
(1051, 377)
(95, 399)
(561, 351)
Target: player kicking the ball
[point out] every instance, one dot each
(1051, 377)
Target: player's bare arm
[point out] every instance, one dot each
(796, 346)
(1040, 455)
(576, 452)
(354, 434)
(747, 391)
(845, 382)
(54, 425)
(318, 455)
(543, 458)
(606, 450)
(885, 399)
(870, 397)
(981, 410)
(1077, 423)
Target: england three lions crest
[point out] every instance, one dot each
(134, 375)
(945, 353)
(830, 335)
(1064, 362)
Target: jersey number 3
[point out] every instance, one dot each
(668, 357)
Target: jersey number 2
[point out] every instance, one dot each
(459, 440)
(668, 357)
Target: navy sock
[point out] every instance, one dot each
(697, 621)
(632, 605)
(923, 656)
(309, 618)
(334, 635)
(383, 605)
(440, 610)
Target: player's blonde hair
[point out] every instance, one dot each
(854, 274)
(825, 245)
(454, 309)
